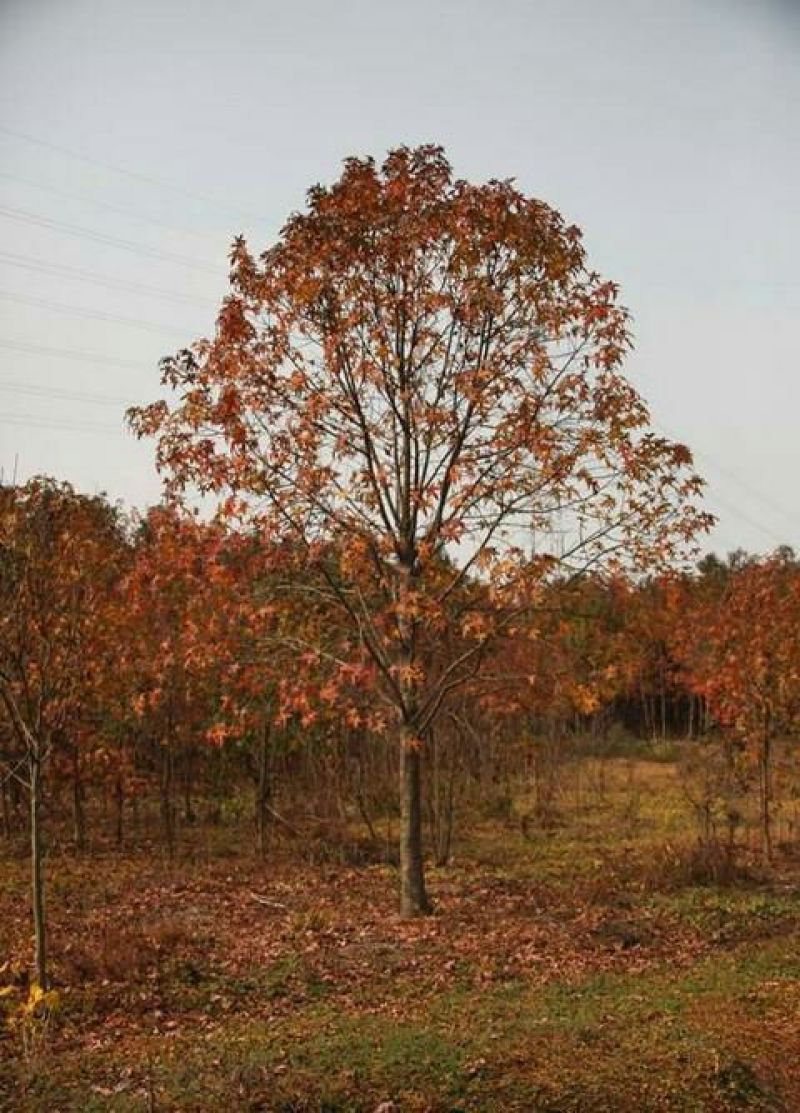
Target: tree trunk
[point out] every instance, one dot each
(440, 795)
(444, 821)
(6, 808)
(645, 710)
(119, 799)
(264, 790)
(37, 870)
(167, 806)
(188, 785)
(663, 705)
(690, 717)
(766, 793)
(360, 796)
(78, 811)
(413, 898)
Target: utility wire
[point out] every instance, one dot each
(91, 315)
(58, 270)
(28, 421)
(96, 202)
(27, 217)
(37, 391)
(737, 512)
(737, 480)
(71, 353)
(752, 491)
(134, 175)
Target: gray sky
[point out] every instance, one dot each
(668, 131)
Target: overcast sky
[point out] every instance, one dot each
(136, 139)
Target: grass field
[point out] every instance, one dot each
(578, 968)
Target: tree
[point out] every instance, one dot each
(744, 658)
(202, 668)
(416, 379)
(60, 559)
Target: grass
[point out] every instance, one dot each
(561, 972)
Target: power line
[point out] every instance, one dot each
(109, 206)
(27, 217)
(736, 479)
(94, 315)
(38, 391)
(752, 491)
(59, 270)
(742, 516)
(27, 421)
(90, 314)
(134, 175)
(71, 353)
